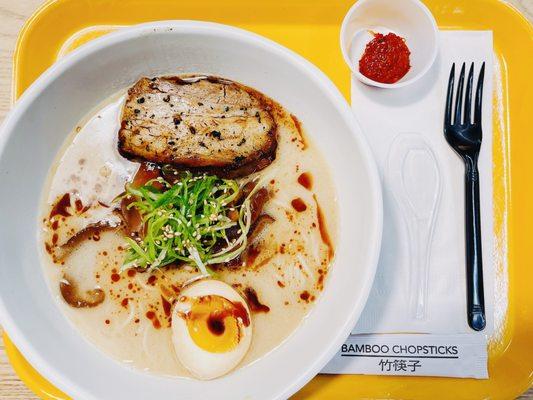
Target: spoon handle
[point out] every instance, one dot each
(474, 262)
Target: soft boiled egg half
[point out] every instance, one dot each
(211, 328)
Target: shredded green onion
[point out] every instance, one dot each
(183, 222)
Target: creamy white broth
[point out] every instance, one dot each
(287, 274)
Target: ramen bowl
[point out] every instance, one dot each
(37, 127)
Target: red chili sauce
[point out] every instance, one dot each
(386, 58)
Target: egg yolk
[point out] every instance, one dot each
(214, 322)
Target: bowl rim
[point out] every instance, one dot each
(19, 108)
(400, 83)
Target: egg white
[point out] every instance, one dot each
(201, 363)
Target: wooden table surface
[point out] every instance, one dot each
(13, 13)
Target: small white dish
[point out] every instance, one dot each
(409, 19)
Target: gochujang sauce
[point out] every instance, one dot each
(386, 58)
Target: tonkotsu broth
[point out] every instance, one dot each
(287, 274)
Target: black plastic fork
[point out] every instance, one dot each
(464, 135)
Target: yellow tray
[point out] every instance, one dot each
(311, 28)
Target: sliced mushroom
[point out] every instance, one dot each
(70, 293)
(146, 172)
(253, 301)
(257, 203)
(260, 224)
(90, 231)
(133, 224)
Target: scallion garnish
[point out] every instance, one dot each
(188, 222)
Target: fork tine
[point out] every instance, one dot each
(459, 96)
(449, 97)
(479, 95)
(468, 95)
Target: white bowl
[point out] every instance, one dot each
(53, 105)
(409, 19)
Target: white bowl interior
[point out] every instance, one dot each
(40, 122)
(409, 19)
